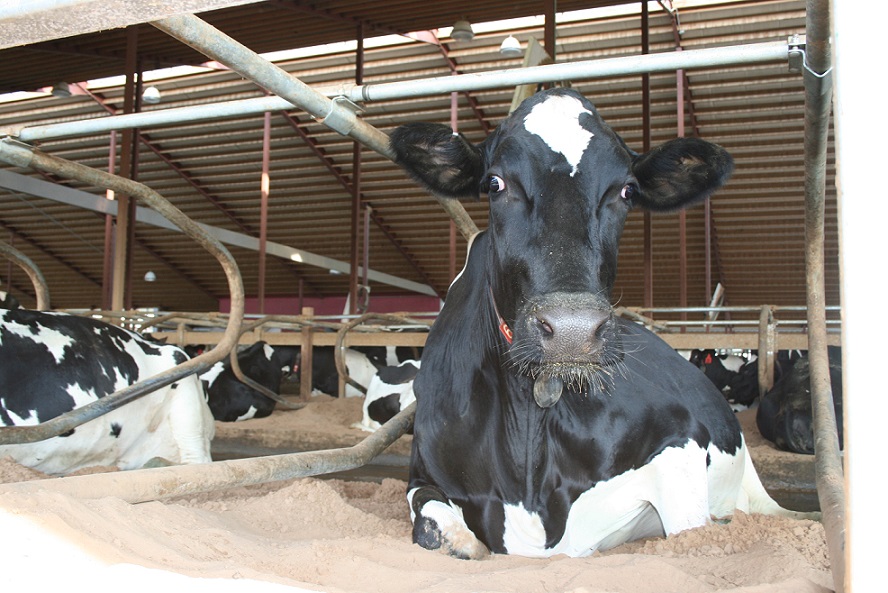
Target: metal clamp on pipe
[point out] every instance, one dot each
(796, 50)
(342, 116)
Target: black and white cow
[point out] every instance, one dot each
(784, 415)
(390, 391)
(51, 363)
(230, 399)
(360, 362)
(735, 376)
(544, 424)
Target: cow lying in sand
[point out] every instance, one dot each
(546, 425)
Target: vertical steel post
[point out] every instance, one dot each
(264, 189)
(550, 33)
(356, 188)
(680, 97)
(108, 259)
(454, 125)
(828, 461)
(124, 210)
(646, 146)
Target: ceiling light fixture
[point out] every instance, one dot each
(150, 276)
(462, 31)
(151, 95)
(511, 47)
(61, 89)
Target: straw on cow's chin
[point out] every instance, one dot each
(547, 391)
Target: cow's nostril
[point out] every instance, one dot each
(545, 327)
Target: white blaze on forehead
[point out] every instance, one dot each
(557, 121)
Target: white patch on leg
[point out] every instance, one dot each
(666, 496)
(753, 498)
(557, 121)
(524, 533)
(247, 415)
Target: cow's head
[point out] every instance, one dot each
(560, 183)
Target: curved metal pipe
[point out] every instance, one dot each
(23, 156)
(235, 368)
(339, 350)
(37, 279)
(143, 485)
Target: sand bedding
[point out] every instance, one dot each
(352, 536)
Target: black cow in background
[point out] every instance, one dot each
(784, 415)
(232, 400)
(544, 423)
(737, 376)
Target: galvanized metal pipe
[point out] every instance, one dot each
(165, 482)
(583, 70)
(22, 156)
(828, 458)
(40, 290)
(336, 114)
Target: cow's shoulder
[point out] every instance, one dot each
(654, 373)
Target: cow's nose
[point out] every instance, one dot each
(566, 333)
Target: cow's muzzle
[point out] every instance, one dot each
(564, 339)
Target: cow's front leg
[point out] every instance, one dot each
(438, 524)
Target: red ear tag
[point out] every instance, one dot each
(506, 331)
(708, 359)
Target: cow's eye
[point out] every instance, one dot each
(628, 191)
(495, 184)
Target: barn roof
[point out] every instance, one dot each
(211, 169)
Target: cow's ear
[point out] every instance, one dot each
(679, 173)
(445, 163)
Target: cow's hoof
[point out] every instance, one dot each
(458, 542)
(466, 546)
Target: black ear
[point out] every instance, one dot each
(679, 173)
(443, 162)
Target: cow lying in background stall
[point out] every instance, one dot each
(784, 415)
(735, 376)
(545, 424)
(390, 391)
(230, 399)
(362, 362)
(51, 363)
